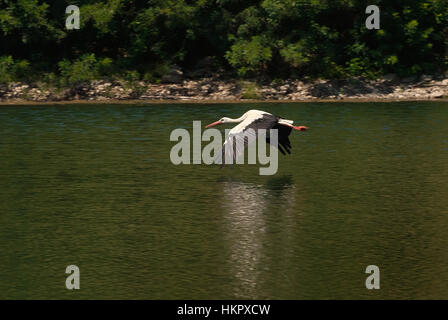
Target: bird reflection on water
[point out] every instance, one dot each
(247, 209)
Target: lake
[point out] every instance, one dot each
(93, 186)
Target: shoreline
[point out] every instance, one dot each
(217, 91)
(204, 101)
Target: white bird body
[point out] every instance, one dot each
(247, 118)
(256, 120)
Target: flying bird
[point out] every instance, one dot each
(255, 120)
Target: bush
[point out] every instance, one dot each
(13, 71)
(84, 69)
(250, 56)
(155, 74)
(131, 75)
(249, 90)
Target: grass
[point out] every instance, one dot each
(250, 90)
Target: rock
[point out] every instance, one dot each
(3, 90)
(436, 95)
(428, 87)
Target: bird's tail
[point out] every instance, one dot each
(285, 121)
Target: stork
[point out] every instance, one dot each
(256, 119)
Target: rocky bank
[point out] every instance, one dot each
(387, 88)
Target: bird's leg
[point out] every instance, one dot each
(298, 128)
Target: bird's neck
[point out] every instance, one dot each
(238, 119)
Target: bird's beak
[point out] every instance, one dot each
(302, 128)
(213, 124)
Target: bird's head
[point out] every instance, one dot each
(220, 121)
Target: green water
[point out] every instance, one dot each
(94, 186)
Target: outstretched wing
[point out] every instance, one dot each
(243, 135)
(283, 138)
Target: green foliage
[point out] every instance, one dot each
(131, 75)
(249, 90)
(154, 75)
(27, 20)
(101, 13)
(329, 39)
(84, 69)
(249, 56)
(269, 38)
(294, 54)
(11, 70)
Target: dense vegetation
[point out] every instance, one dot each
(140, 39)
